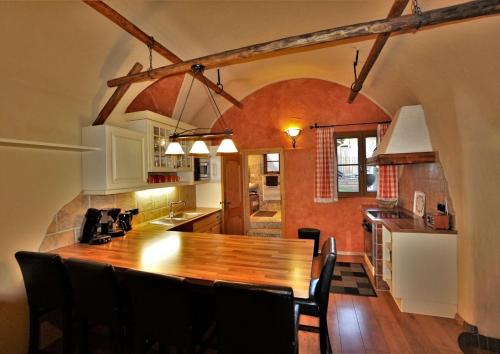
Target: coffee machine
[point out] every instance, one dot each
(90, 228)
(110, 224)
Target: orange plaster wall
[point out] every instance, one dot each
(159, 97)
(301, 102)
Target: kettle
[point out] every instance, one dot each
(125, 220)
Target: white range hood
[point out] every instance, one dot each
(406, 141)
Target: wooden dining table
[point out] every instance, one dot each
(206, 257)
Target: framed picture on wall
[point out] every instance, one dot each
(419, 204)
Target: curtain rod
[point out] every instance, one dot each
(316, 125)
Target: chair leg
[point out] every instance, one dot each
(34, 332)
(324, 338)
(84, 336)
(67, 331)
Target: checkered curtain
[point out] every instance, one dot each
(325, 186)
(387, 175)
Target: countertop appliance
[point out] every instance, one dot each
(201, 169)
(110, 224)
(90, 226)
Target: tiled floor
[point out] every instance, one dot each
(275, 218)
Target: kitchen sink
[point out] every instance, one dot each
(189, 215)
(177, 219)
(168, 221)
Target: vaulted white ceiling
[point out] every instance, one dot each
(69, 48)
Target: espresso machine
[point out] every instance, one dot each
(91, 228)
(110, 224)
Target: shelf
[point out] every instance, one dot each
(143, 187)
(45, 146)
(403, 159)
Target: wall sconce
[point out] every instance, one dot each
(293, 133)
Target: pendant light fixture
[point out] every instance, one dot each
(174, 148)
(199, 146)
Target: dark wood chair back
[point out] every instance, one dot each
(96, 294)
(255, 319)
(158, 310)
(44, 279)
(47, 290)
(328, 259)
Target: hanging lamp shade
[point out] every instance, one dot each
(199, 148)
(174, 148)
(227, 147)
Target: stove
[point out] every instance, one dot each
(389, 214)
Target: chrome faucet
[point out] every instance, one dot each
(171, 214)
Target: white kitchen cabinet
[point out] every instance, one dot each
(157, 129)
(421, 270)
(119, 165)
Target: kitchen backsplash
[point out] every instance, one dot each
(427, 178)
(153, 203)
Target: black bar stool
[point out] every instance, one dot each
(319, 291)
(255, 319)
(158, 311)
(47, 289)
(96, 299)
(311, 234)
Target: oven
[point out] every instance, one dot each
(201, 169)
(368, 230)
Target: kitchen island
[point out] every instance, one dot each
(205, 257)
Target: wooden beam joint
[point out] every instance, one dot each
(115, 97)
(312, 40)
(139, 34)
(396, 10)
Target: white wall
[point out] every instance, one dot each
(209, 195)
(55, 59)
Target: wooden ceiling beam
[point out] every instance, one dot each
(115, 97)
(396, 10)
(135, 31)
(317, 39)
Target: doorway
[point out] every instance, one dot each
(263, 187)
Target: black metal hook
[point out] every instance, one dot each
(219, 84)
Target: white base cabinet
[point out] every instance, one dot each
(119, 165)
(421, 270)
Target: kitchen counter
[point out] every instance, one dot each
(175, 222)
(410, 223)
(205, 257)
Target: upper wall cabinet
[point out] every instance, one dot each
(157, 129)
(119, 165)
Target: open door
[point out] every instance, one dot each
(232, 199)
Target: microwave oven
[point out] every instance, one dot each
(201, 169)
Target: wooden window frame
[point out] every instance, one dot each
(266, 172)
(362, 167)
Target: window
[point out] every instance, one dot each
(354, 177)
(272, 163)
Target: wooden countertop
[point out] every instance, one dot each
(206, 257)
(411, 223)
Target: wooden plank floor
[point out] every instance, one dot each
(359, 324)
